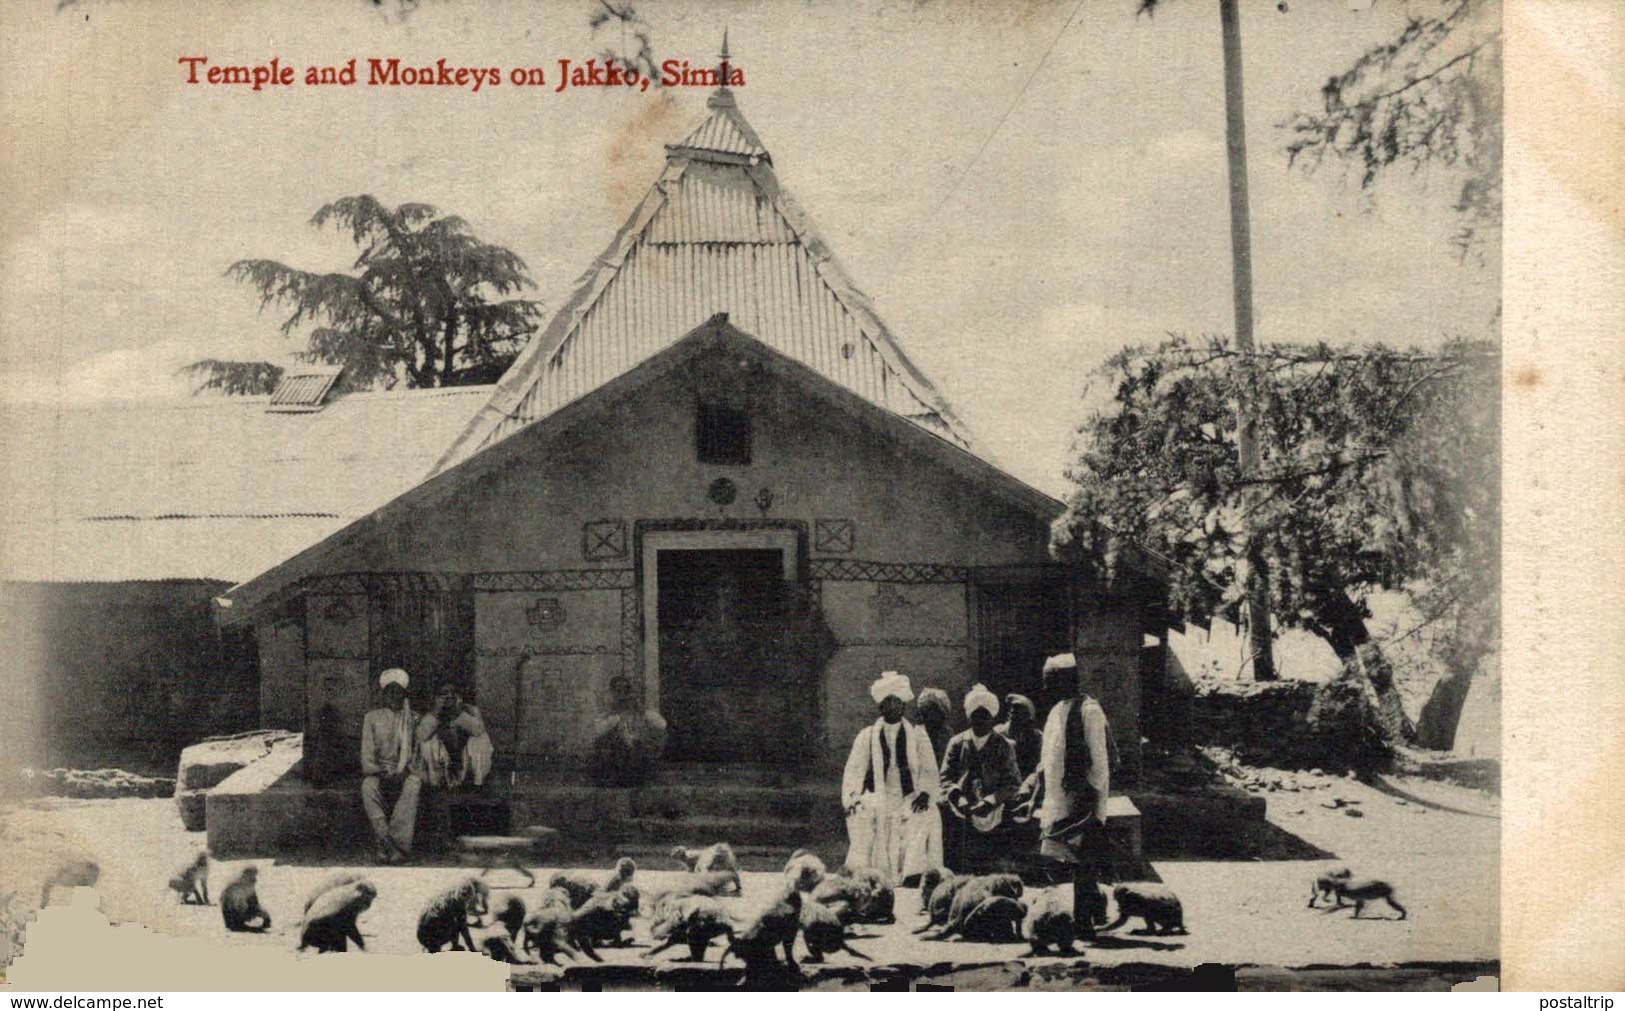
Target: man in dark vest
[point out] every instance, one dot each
(978, 778)
(1071, 788)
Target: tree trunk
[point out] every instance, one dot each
(1344, 629)
(451, 350)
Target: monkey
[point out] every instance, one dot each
(70, 874)
(578, 886)
(1365, 890)
(713, 883)
(694, 920)
(329, 883)
(715, 857)
(512, 916)
(547, 932)
(942, 901)
(1325, 886)
(1049, 924)
(330, 918)
(823, 930)
(446, 919)
(625, 867)
(240, 904)
(501, 948)
(191, 882)
(600, 921)
(771, 928)
(972, 894)
(556, 897)
(1154, 903)
(930, 881)
(776, 925)
(864, 893)
(995, 920)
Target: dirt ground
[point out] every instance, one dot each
(1438, 844)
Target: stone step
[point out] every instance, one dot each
(700, 831)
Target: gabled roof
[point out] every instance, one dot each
(716, 333)
(716, 234)
(206, 487)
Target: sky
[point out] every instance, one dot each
(1012, 234)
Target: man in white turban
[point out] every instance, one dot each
(1071, 788)
(390, 771)
(978, 779)
(890, 791)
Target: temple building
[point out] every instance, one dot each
(716, 474)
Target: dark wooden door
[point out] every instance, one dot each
(1019, 624)
(732, 687)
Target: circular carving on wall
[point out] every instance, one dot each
(722, 491)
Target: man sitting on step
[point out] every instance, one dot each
(390, 768)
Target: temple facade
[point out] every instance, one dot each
(717, 475)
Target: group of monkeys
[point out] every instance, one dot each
(578, 914)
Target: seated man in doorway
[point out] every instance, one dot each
(626, 744)
(889, 790)
(390, 768)
(456, 748)
(978, 777)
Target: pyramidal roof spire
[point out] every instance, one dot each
(724, 135)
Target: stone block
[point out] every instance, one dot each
(208, 763)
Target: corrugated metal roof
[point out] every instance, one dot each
(714, 235)
(724, 131)
(211, 487)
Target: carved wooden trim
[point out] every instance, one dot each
(553, 580)
(858, 570)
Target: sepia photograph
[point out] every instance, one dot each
(691, 495)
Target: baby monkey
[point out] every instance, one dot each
(191, 882)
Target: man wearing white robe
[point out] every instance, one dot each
(890, 790)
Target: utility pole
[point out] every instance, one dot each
(1255, 573)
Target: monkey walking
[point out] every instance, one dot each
(1366, 890)
(547, 932)
(694, 920)
(191, 882)
(602, 921)
(715, 857)
(70, 874)
(1325, 886)
(240, 904)
(330, 918)
(1154, 903)
(775, 926)
(972, 895)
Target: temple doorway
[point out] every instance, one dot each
(732, 687)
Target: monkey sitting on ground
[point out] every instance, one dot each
(329, 883)
(715, 857)
(240, 904)
(191, 882)
(602, 921)
(70, 874)
(995, 921)
(547, 932)
(972, 894)
(330, 917)
(930, 881)
(694, 920)
(775, 926)
(512, 916)
(864, 893)
(1325, 886)
(1154, 903)
(1365, 890)
(1049, 924)
(446, 919)
(625, 868)
(942, 901)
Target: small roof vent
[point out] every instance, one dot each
(304, 388)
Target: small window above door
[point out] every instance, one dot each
(722, 433)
